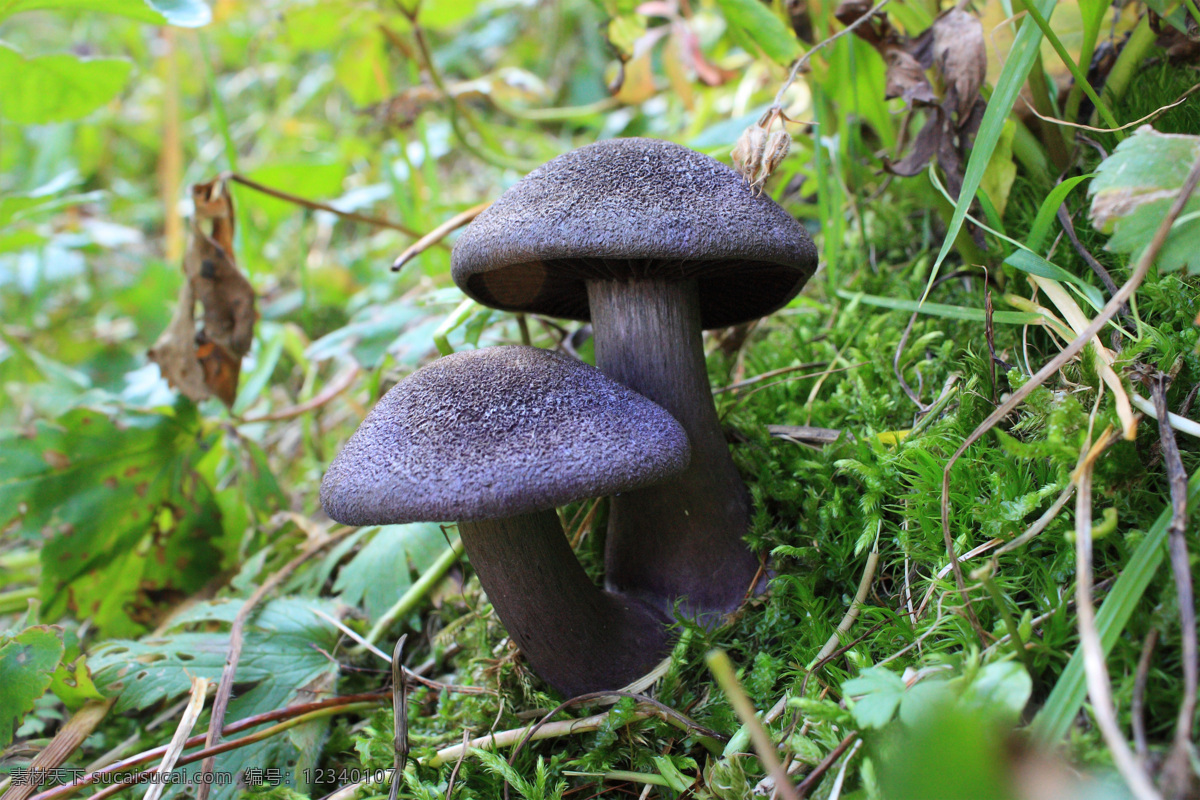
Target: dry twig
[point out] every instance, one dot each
(236, 632)
(1099, 688)
(1177, 769)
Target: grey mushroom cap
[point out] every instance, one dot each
(634, 208)
(497, 432)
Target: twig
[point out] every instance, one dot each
(538, 731)
(899, 373)
(316, 206)
(1138, 704)
(860, 597)
(233, 744)
(234, 727)
(436, 235)
(457, 764)
(803, 60)
(1177, 769)
(236, 632)
(1110, 310)
(1181, 424)
(339, 384)
(944, 571)
(722, 670)
(813, 778)
(770, 374)
(65, 742)
(188, 721)
(1041, 522)
(1099, 688)
(1082, 127)
(836, 791)
(771, 715)
(399, 719)
(495, 741)
(1064, 218)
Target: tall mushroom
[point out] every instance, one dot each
(497, 439)
(652, 242)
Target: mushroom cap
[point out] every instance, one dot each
(498, 432)
(634, 208)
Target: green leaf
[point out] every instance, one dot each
(878, 692)
(675, 779)
(57, 88)
(1001, 689)
(1053, 721)
(765, 28)
(284, 659)
(381, 571)
(1016, 68)
(1049, 211)
(27, 662)
(1032, 263)
(125, 515)
(1136, 185)
(943, 310)
(184, 13)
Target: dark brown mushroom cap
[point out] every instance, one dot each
(495, 433)
(627, 208)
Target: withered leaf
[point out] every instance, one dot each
(960, 55)
(906, 77)
(207, 362)
(174, 352)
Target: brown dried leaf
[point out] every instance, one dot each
(201, 364)
(906, 77)
(174, 352)
(960, 55)
(227, 296)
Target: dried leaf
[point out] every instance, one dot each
(201, 364)
(906, 77)
(174, 352)
(960, 55)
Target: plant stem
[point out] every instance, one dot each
(421, 587)
(1129, 61)
(16, 600)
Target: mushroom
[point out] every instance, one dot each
(496, 439)
(652, 242)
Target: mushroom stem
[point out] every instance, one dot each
(681, 538)
(577, 637)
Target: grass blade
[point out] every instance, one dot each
(1012, 77)
(1053, 721)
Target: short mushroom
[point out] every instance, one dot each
(496, 439)
(652, 242)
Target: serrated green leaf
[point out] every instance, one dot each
(59, 87)
(1136, 185)
(1001, 689)
(878, 692)
(283, 661)
(765, 28)
(380, 572)
(27, 662)
(122, 509)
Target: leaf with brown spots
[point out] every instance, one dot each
(124, 515)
